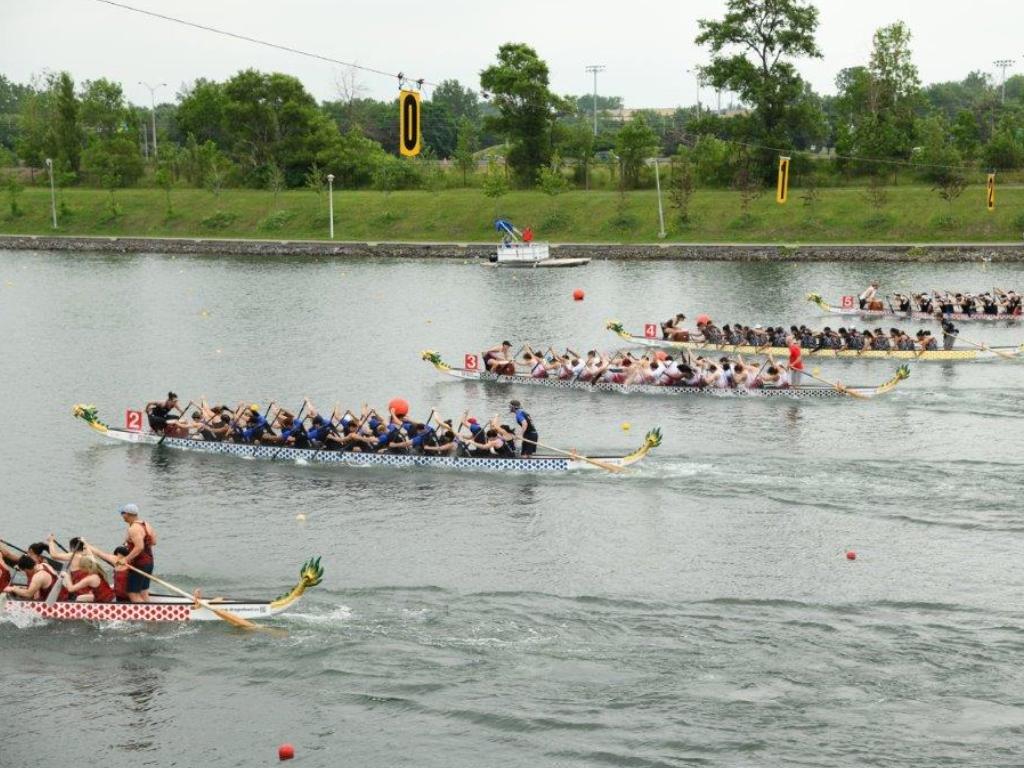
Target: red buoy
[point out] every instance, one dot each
(577, 295)
(285, 752)
(399, 405)
(851, 555)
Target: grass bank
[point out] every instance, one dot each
(911, 214)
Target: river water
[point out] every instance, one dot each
(697, 610)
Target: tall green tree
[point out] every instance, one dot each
(461, 102)
(635, 143)
(465, 149)
(753, 49)
(526, 108)
(201, 112)
(104, 113)
(66, 130)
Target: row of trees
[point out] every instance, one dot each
(265, 130)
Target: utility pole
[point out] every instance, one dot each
(53, 194)
(695, 71)
(661, 210)
(1004, 64)
(595, 68)
(330, 200)
(152, 101)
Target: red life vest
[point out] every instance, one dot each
(45, 567)
(121, 585)
(101, 594)
(145, 557)
(5, 578)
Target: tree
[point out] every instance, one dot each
(465, 149)
(459, 102)
(352, 158)
(316, 182)
(552, 182)
(114, 163)
(103, 113)
(14, 189)
(681, 187)
(65, 131)
(526, 107)
(495, 183)
(635, 143)
(937, 156)
(201, 112)
(275, 180)
(1006, 149)
(966, 136)
(164, 179)
(892, 68)
(753, 48)
(579, 145)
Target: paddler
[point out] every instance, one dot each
(868, 295)
(525, 429)
(499, 359)
(796, 358)
(86, 582)
(949, 334)
(139, 542)
(159, 412)
(40, 578)
(255, 426)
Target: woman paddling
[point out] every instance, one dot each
(87, 583)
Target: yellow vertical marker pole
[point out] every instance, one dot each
(990, 195)
(782, 193)
(409, 123)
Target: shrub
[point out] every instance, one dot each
(219, 220)
(276, 221)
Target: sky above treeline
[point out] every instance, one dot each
(646, 45)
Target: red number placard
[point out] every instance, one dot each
(650, 330)
(470, 363)
(847, 302)
(133, 420)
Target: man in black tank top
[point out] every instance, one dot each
(159, 412)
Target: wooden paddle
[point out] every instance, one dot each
(597, 463)
(987, 348)
(220, 613)
(838, 387)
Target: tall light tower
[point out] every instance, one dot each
(1004, 64)
(595, 68)
(152, 101)
(695, 71)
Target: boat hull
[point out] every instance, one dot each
(534, 464)
(938, 356)
(161, 611)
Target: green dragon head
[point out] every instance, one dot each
(615, 327)
(87, 413)
(653, 438)
(816, 298)
(903, 372)
(310, 575)
(431, 357)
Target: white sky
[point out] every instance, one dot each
(646, 45)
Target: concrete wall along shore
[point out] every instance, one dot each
(939, 252)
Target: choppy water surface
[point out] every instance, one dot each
(697, 611)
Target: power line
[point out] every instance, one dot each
(320, 57)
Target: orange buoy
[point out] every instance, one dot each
(285, 752)
(577, 295)
(399, 405)
(851, 555)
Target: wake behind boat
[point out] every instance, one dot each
(568, 378)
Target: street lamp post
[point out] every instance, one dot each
(152, 102)
(700, 81)
(53, 194)
(1004, 64)
(330, 201)
(595, 68)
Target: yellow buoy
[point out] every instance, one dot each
(300, 517)
(626, 426)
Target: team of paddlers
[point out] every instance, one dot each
(851, 338)
(942, 303)
(368, 432)
(77, 573)
(657, 369)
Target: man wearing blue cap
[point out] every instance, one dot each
(139, 542)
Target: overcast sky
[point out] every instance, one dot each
(646, 45)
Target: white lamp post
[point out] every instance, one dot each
(661, 210)
(152, 102)
(330, 200)
(53, 194)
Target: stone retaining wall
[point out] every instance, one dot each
(1005, 252)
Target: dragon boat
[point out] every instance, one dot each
(168, 609)
(938, 355)
(803, 391)
(538, 463)
(848, 308)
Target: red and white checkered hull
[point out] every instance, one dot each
(161, 610)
